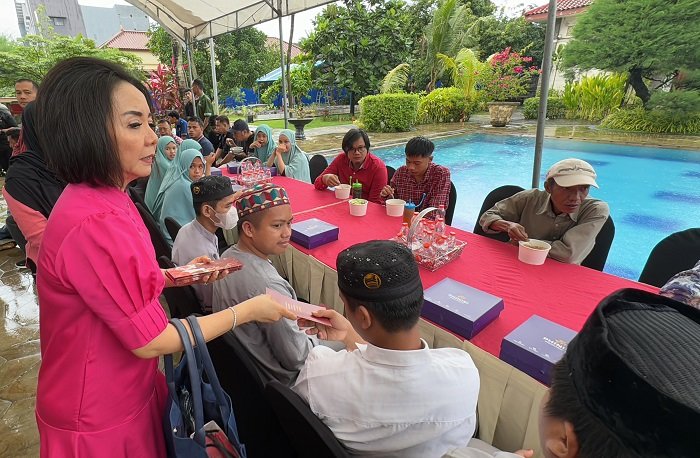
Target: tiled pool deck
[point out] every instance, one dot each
(19, 326)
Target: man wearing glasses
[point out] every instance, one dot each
(561, 215)
(356, 163)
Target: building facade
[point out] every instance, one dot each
(63, 15)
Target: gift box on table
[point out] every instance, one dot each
(273, 170)
(234, 167)
(313, 233)
(216, 172)
(192, 273)
(535, 346)
(460, 308)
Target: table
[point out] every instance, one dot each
(564, 293)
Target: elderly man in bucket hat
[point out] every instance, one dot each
(562, 215)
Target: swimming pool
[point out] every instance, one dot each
(652, 192)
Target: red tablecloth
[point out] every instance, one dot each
(563, 293)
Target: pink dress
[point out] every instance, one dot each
(98, 285)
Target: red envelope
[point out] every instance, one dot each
(300, 309)
(191, 273)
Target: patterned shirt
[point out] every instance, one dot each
(435, 185)
(684, 287)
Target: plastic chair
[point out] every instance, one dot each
(597, 257)
(677, 252)
(389, 173)
(492, 199)
(172, 226)
(258, 426)
(451, 204)
(182, 300)
(317, 164)
(307, 433)
(159, 243)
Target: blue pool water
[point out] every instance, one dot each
(652, 192)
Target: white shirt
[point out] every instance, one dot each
(390, 403)
(194, 240)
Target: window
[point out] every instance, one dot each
(55, 20)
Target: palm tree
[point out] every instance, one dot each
(395, 80)
(462, 69)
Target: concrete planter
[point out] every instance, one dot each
(501, 112)
(299, 124)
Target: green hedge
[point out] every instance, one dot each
(389, 112)
(445, 104)
(555, 108)
(652, 121)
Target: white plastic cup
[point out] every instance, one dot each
(394, 207)
(342, 191)
(533, 251)
(358, 207)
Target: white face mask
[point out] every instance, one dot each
(227, 220)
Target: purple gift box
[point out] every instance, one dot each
(234, 167)
(216, 172)
(313, 233)
(460, 308)
(273, 171)
(535, 346)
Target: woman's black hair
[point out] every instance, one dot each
(74, 109)
(351, 137)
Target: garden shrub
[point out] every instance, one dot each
(594, 97)
(445, 104)
(555, 108)
(389, 112)
(652, 121)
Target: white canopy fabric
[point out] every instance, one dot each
(194, 20)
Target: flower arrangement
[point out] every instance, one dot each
(506, 76)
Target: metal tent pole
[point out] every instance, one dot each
(284, 76)
(544, 92)
(212, 59)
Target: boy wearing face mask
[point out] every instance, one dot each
(213, 200)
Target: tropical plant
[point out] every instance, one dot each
(506, 76)
(555, 108)
(445, 104)
(359, 41)
(165, 89)
(680, 104)
(463, 70)
(396, 79)
(648, 40)
(389, 112)
(594, 97)
(498, 32)
(300, 82)
(651, 121)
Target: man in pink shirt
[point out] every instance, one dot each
(356, 163)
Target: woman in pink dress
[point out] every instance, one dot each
(102, 328)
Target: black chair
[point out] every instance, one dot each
(172, 226)
(161, 246)
(491, 199)
(677, 252)
(389, 173)
(258, 426)
(451, 204)
(317, 164)
(597, 257)
(223, 244)
(307, 433)
(182, 300)
(137, 195)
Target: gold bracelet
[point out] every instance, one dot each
(235, 317)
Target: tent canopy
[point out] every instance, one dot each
(194, 20)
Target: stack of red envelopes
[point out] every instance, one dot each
(192, 273)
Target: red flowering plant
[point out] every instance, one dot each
(506, 75)
(165, 89)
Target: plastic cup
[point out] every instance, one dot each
(394, 207)
(358, 207)
(533, 251)
(342, 191)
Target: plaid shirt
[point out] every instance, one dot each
(435, 184)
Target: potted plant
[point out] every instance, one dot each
(301, 118)
(506, 77)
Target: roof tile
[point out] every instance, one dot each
(562, 5)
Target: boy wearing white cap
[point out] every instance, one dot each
(561, 215)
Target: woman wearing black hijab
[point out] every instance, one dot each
(31, 190)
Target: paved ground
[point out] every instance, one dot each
(19, 323)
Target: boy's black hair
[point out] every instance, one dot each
(419, 146)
